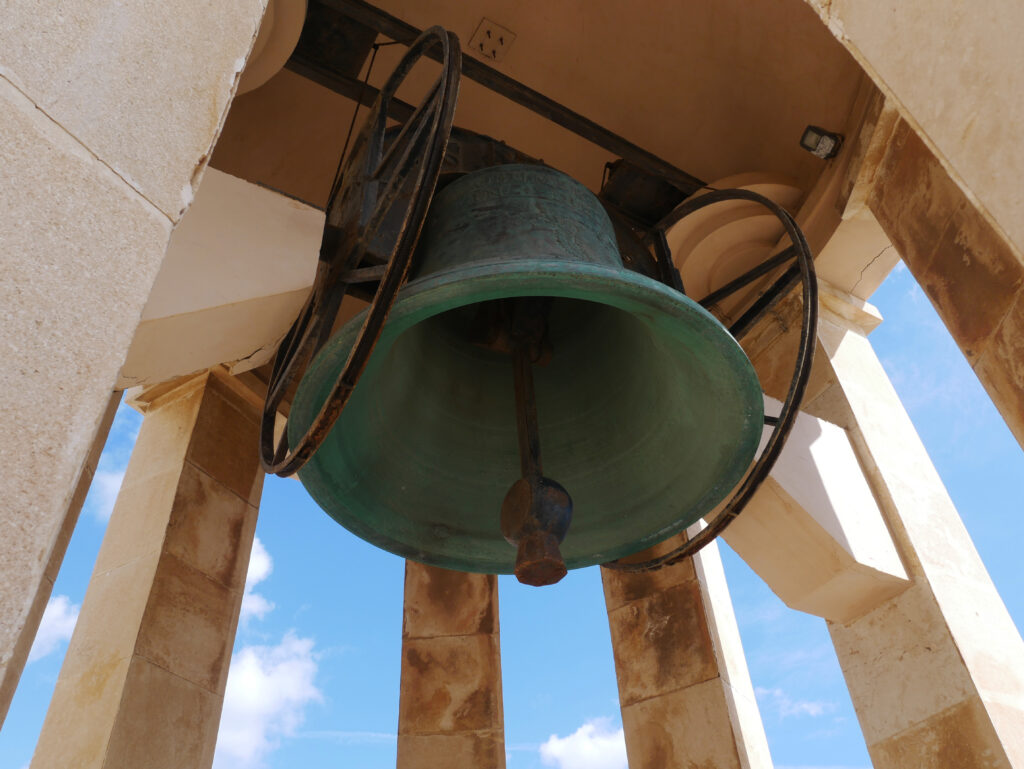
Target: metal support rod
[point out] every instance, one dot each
(765, 302)
(349, 87)
(502, 84)
(749, 277)
(526, 414)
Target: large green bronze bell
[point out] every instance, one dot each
(647, 412)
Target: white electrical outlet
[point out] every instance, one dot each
(491, 40)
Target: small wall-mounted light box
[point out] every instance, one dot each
(821, 143)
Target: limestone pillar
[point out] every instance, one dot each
(970, 273)
(12, 666)
(966, 107)
(450, 710)
(684, 687)
(936, 673)
(108, 113)
(143, 680)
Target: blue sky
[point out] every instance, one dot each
(315, 675)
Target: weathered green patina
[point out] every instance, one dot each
(649, 411)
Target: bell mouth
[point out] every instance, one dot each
(649, 414)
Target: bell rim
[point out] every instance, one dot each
(481, 281)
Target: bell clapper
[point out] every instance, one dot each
(536, 513)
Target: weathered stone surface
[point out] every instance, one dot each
(95, 669)
(128, 528)
(674, 636)
(147, 665)
(450, 685)
(948, 639)
(227, 448)
(471, 749)
(180, 707)
(684, 729)
(440, 602)
(208, 526)
(661, 643)
(747, 730)
(912, 197)
(961, 737)
(966, 268)
(80, 251)
(450, 710)
(906, 645)
(79, 741)
(969, 270)
(10, 672)
(973, 278)
(189, 622)
(1001, 368)
(967, 105)
(167, 71)
(621, 587)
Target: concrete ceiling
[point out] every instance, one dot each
(715, 87)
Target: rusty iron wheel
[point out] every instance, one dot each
(383, 185)
(783, 424)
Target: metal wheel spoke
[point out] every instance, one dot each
(744, 280)
(375, 184)
(411, 129)
(781, 425)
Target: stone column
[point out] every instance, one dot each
(684, 687)
(936, 673)
(11, 667)
(108, 113)
(143, 680)
(966, 107)
(450, 711)
(971, 274)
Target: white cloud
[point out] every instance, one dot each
(103, 492)
(260, 566)
(59, 618)
(268, 690)
(785, 706)
(595, 745)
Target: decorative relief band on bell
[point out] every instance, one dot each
(518, 212)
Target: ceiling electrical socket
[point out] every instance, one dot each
(491, 40)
